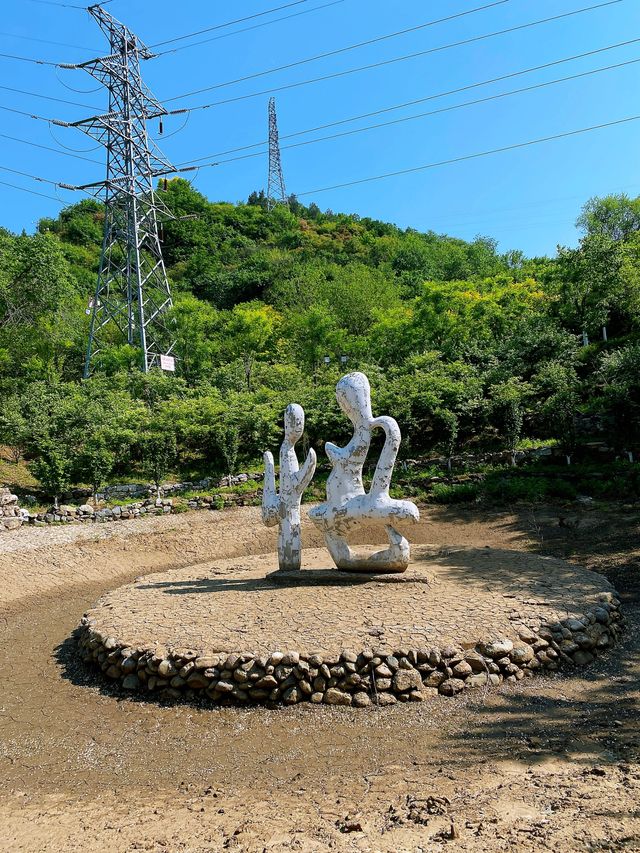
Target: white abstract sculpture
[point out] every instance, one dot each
(283, 508)
(348, 505)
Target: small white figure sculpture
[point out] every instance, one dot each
(348, 505)
(284, 508)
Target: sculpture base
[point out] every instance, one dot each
(332, 576)
(237, 631)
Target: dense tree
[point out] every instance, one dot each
(465, 346)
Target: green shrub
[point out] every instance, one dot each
(509, 489)
(557, 488)
(456, 494)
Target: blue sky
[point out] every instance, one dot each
(527, 198)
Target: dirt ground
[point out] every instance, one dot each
(548, 764)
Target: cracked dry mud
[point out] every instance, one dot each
(548, 764)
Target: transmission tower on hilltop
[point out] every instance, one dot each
(276, 192)
(132, 294)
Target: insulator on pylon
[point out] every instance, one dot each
(161, 128)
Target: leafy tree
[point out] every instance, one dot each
(14, 427)
(53, 468)
(615, 217)
(311, 335)
(508, 407)
(95, 464)
(588, 282)
(558, 390)
(619, 374)
(158, 455)
(250, 334)
(228, 438)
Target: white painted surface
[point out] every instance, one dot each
(283, 507)
(348, 504)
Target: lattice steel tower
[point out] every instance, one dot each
(132, 295)
(276, 192)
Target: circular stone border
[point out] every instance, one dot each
(379, 675)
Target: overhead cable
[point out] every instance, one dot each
(28, 59)
(32, 192)
(248, 29)
(29, 175)
(382, 63)
(189, 168)
(46, 41)
(350, 47)
(55, 3)
(426, 99)
(49, 98)
(50, 148)
(227, 24)
(475, 156)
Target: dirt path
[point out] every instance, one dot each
(550, 764)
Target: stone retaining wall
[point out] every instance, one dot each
(11, 516)
(86, 514)
(358, 678)
(141, 490)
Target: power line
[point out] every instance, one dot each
(32, 192)
(49, 148)
(228, 24)
(48, 98)
(62, 5)
(28, 59)
(349, 71)
(475, 156)
(465, 104)
(420, 100)
(45, 41)
(248, 29)
(68, 147)
(24, 113)
(351, 47)
(446, 109)
(29, 175)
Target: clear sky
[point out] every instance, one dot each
(526, 198)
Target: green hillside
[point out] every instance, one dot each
(468, 348)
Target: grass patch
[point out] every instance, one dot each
(442, 493)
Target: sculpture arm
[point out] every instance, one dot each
(270, 498)
(306, 472)
(384, 469)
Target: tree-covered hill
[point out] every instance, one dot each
(465, 346)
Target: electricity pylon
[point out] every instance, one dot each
(276, 192)
(132, 294)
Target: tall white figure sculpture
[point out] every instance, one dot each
(283, 508)
(348, 505)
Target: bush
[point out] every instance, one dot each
(509, 489)
(462, 493)
(561, 489)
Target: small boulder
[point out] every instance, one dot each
(406, 679)
(462, 669)
(451, 686)
(333, 696)
(497, 648)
